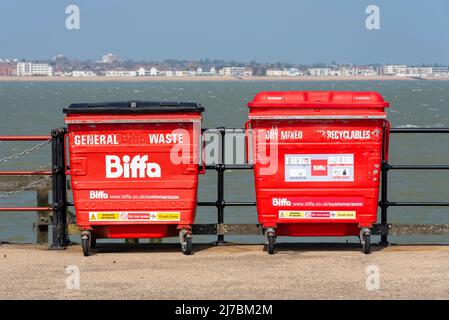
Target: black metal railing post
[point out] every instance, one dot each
(221, 204)
(384, 202)
(59, 190)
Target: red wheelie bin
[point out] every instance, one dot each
(134, 169)
(317, 162)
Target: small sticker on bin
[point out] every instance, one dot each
(283, 214)
(319, 167)
(147, 216)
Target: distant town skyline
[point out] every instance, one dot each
(308, 32)
(110, 57)
(110, 65)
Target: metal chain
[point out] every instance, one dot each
(26, 151)
(25, 188)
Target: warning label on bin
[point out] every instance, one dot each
(283, 214)
(319, 167)
(148, 216)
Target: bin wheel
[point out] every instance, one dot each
(366, 243)
(86, 243)
(186, 244)
(271, 242)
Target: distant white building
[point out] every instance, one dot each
(77, 73)
(390, 70)
(29, 69)
(440, 71)
(141, 72)
(404, 71)
(121, 73)
(182, 73)
(109, 58)
(201, 72)
(363, 71)
(236, 72)
(276, 72)
(288, 72)
(418, 71)
(319, 72)
(247, 72)
(154, 72)
(334, 72)
(294, 72)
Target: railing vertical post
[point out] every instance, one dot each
(59, 190)
(384, 203)
(42, 218)
(220, 189)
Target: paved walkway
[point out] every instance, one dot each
(234, 272)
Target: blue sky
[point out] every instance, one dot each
(411, 31)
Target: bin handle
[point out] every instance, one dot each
(247, 123)
(202, 166)
(386, 141)
(66, 171)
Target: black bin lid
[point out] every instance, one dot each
(134, 107)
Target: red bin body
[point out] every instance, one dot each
(317, 160)
(134, 168)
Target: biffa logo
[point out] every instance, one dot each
(137, 167)
(281, 202)
(319, 167)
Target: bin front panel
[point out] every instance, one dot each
(126, 173)
(311, 172)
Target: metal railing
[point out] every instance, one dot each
(384, 203)
(383, 228)
(220, 229)
(59, 184)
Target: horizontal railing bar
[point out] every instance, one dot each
(225, 129)
(24, 138)
(229, 166)
(240, 204)
(418, 204)
(238, 166)
(227, 204)
(206, 203)
(25, 173)
(26, 209)
(418, 166)
(419, 130)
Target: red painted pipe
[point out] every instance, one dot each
(26, 209)
(24, 138)
(25, 173)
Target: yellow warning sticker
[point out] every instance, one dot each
(104, 216)
(283, 214)
(168, 216)
(136, 216)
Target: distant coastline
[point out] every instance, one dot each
(208, 79)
